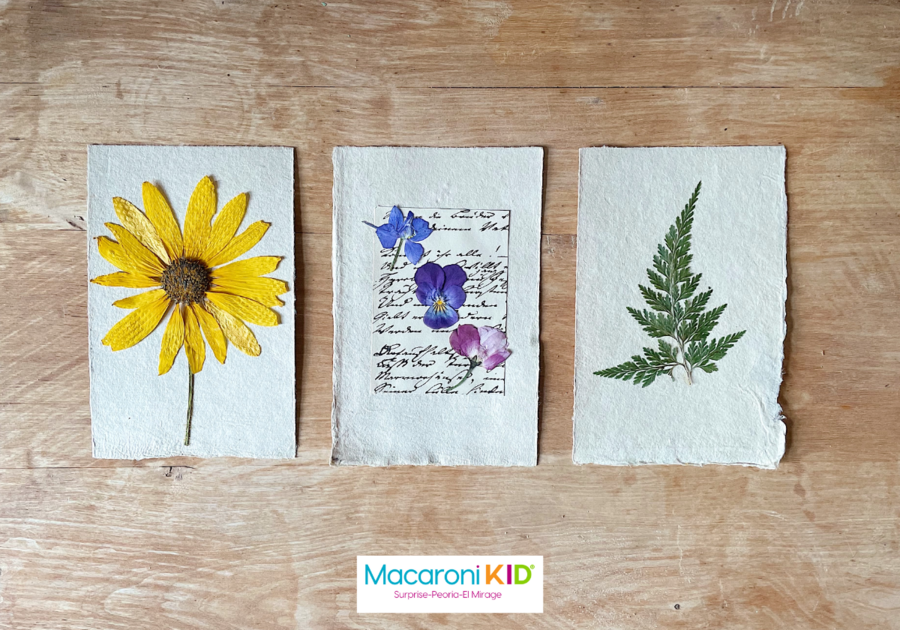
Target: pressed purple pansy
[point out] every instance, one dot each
(409, 231)
(485, 346)
(440, 289)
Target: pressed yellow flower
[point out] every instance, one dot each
(191, 274)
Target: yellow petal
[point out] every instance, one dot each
(135, 249)
(226, 225)
(235, 330)
(248, 268)
(240, 245)
(163, 219)
(139, 300)
(244, 309)
(214, 336)
(171, 341)
(262, 290)
(135, 222)
(124, 279)
(136, 325)
(200, 211)
(194, 347)
(116, 254)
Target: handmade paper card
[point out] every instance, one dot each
(680, 306)
(190, 301)
(436, 276)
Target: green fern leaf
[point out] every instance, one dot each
(677, 312)
(656, 301)
(643, 370)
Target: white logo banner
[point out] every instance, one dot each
(450, 584)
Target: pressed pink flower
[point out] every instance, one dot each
(485, 346)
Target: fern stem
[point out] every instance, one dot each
(684, 363)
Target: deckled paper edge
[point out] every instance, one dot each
(336, 367)
(779, 419)
(337, 202)
(293, 287)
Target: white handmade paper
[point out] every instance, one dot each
(393, 402)
(409, 357)
(727, 412)
(244, 408)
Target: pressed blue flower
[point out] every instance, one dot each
(440, 289)
(409, 231)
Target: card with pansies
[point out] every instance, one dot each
(436, 275)
(190, 301)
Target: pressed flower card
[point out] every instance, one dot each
(680, 306)
(190, 301)
(436, 274)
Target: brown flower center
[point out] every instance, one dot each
(186, 280)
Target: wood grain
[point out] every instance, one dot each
(229, 543)
(477, 43)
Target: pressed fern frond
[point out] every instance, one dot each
(676, 311)
(645, 369)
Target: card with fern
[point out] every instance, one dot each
(677, 313)
(680, 315)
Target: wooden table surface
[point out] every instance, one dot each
(232, 543)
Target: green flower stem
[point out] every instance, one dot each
(472, 365)
(397, 253)
(190, 408)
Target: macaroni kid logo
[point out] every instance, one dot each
(423, 584)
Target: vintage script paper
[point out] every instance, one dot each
(407, 356)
